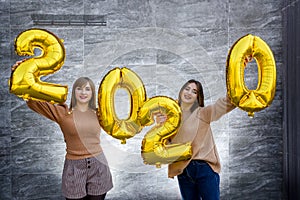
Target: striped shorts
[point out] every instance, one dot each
(89, 176)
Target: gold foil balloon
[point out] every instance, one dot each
(25, 79)
(251, 101)
(155, 151)
(120, 128)
(142, 111)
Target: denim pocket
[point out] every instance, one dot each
(183, 175)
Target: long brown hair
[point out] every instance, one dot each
(82, 81)
(200, 96)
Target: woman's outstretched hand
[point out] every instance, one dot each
(16, 65)
(160, 118)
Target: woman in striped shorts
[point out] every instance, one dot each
(86, 173)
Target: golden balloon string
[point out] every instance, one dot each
(25, 83)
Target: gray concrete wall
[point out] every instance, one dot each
(165, 43)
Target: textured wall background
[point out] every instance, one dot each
(165, 43)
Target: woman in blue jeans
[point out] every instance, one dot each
(198, 177)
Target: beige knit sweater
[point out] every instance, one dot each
(81, 130)
(197, 130)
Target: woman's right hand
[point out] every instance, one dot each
(16, 65)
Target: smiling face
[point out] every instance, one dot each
(83, 94)
(189, 94)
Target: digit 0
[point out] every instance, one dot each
(120, 128)
(251, 100)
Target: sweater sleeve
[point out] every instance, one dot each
(54, 112)
(217, 110)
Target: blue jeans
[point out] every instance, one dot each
(199, 181)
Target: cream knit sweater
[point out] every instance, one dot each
(197, 130)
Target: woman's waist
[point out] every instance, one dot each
(82, 153)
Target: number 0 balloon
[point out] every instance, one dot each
(120, 78)
(251, 100)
